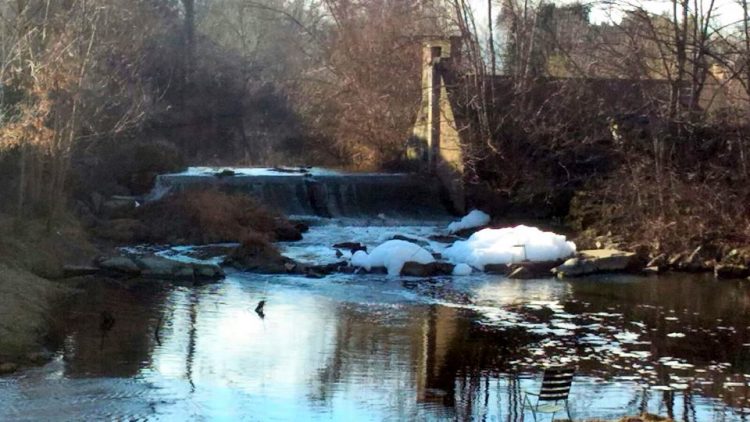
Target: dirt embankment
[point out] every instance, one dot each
(31, 255)
(26, 302)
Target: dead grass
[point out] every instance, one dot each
(203, 217)
(256, 253)
(671, 217)
(25, 303)
(31, 245)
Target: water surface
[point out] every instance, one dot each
(369, 347)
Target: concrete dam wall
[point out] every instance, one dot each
(320, 192)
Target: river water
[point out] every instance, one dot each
(369, 347)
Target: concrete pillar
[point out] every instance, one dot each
(433, 141)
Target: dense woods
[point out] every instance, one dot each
(635, 125)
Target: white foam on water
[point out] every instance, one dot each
(509, 245)
(392, 255)
(473, 219)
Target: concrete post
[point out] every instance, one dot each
(433, 141)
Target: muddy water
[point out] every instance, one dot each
(354, 347)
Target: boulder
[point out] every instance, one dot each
(496, 269)
(432, 269)
(373, 270)
(521, 273)
(351, 246)
(311, 273)
(260, 257)
(208, 252)
(167, 269)
(595, 261)
(204, 271)
(300, 226)
(526, 270)
(225, 173)
(320, 271)
(287, 233)
(156, 267)
(122, 230)
(727, 271)
(327, 268)
(119, 264)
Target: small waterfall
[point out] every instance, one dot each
(322, 193)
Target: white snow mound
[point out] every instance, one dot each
(392, 255)
(475, 218)
(509, 245)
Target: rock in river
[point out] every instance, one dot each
(152, 266)
(119, 264)
(726, 271)
(528, 270)
(595, 261)
(415, 269)
(257, 255)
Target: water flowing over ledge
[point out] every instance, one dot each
(319, 192)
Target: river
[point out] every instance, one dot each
(371, 347)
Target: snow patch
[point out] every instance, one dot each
(509, 245)
(392, 255)
(475, 218)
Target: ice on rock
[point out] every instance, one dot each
(509, 245)
(392, 255)
(462, 269)
(475, 218)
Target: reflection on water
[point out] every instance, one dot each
(372, 348)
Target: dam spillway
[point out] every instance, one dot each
(319, 192)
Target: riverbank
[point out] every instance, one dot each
(32, 263)
(26, 302)
(724, 258)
